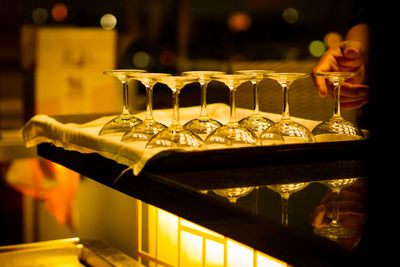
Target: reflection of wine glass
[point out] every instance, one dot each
(232, 134)
(125, 121)
(203, 125)
(175, 135)
(149, 127)
(335, 229)
(285, 190)
(256, 122)
(233, 194)
(291, 131)
(337, 128)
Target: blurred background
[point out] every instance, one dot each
(52, 54)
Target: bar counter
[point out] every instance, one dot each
(189, 184)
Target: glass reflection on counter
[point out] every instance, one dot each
(315, 205)
(285, 190)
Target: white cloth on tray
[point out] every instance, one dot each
(84, 137)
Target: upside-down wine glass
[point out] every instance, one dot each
(231, 134)
(175, 136)
(202, 125)
(337, 128)
(149, 127)
(256, 122)
(285, 191)
(335, 229)
(125, 121)
(233, 194)
(286, 128)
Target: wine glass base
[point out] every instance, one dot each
(231, 135)
(334, 231)
(202, 126)
(175, 137)
(119, 125)
(256, 123)
(337, 129)
(143, 131)
(291, 132)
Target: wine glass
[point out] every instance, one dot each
(285, 191)
(233, 194)
(175, 136)
(335, 229)
(231, 134)
(291, 131)
(337, 128)
(256, 122)
(203, 125)
(125, 121)
(149, 127)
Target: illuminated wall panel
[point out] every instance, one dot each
(167, 240)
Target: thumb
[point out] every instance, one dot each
(351, 50)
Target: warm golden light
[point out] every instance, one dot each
(316, 48)
(332, 38)
(172, 240)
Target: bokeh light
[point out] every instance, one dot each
(39, 15)
(59, 12)
(290, 15)
(141, 59)
(317, 48)
(239, 21)
(332, 38)
(168, 57)
(108, 22)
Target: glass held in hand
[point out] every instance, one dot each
(125, 120)
(335, 229)
(144, 131)
(337, 128)
(286, 129)
(202, 125)
(256, 122)
(175, 136)
(232, 134)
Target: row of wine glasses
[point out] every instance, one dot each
(333, 230)
(207, 132)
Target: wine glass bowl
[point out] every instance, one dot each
(125, 120)
(285, 191)
(176, 136)
(337, 128)
(256, 122)
(286, 128)
(233, 194)
(232, 133)
(202, 125)
(142, 132)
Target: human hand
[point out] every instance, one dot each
(347, 56)
(352, 211)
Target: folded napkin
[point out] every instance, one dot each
(84, 137)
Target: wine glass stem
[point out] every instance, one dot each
(285, 101)
(175, 110)
(255, 96)
(203, 108)
(336, 98)
(285, 210)
(232, 100)
(149, 102)
(335, 219)
(125, 109)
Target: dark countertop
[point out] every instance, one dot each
(254, 219)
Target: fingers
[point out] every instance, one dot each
(352, 95)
